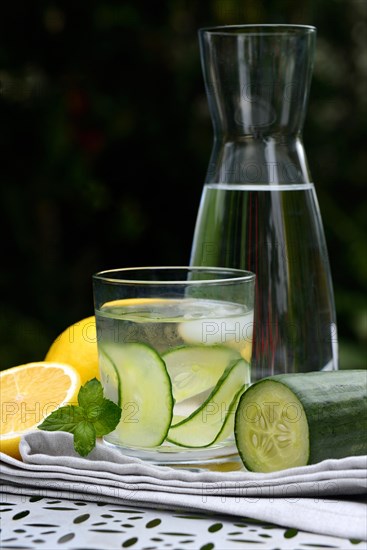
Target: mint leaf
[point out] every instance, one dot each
(93, 412)
(64, 419)
(90, 394)
(84, 437)
(108, 419)
(95, 416)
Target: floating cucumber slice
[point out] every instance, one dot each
(145, 395)
(214, 419)
(109, 376)
(194, 369)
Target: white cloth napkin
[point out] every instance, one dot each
(325, 498)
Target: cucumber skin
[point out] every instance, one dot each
(335, 405)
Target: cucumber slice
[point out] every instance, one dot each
(109, 376)
(145, 395)
(214, 419)
(194, 369)
(292, 420)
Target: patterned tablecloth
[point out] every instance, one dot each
(44, 523)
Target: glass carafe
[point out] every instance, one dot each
(259, 208)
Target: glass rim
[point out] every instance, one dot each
(265, 29)
(242, 275)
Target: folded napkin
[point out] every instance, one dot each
(324, 498)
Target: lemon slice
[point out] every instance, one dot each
(28, 394)
(133, 302)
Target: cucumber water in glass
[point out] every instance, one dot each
(174, 349)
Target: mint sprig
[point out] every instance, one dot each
(93, 417)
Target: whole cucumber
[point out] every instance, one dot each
(292, 420)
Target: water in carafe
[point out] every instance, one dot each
(259, 208)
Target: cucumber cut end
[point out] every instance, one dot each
(271, 428)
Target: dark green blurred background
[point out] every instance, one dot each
(105, 139)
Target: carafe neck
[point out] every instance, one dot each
(257, 79)
(266, 160)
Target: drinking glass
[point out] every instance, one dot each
(174, 346)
